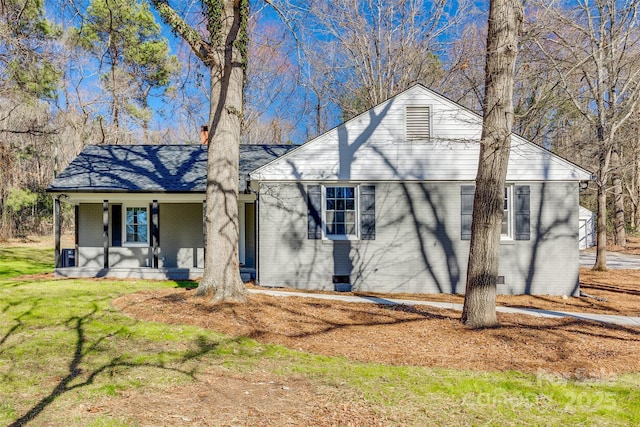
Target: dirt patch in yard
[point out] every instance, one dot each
(223, 399)
(421, 335)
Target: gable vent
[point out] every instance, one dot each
(417, 121)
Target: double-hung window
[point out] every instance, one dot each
(507, 215)
(136, 225)
(340, 212)
(515, 212)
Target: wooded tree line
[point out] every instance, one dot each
(111, 72)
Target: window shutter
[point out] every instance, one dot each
(466, 210)
(155, 231)
(367, 212)
(314, 207)
(523, 215)
(116, 225)
(418, 124)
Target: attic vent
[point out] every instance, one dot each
(417, 121)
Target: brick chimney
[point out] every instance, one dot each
(204, 134)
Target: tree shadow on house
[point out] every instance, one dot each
(409, 242)
(136, 168)
(428, 216)
(420, 206)
(546, 233)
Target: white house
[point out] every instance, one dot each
(586, 228)
(380, 203)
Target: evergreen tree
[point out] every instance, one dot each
(125, 38)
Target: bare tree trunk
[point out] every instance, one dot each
(115, 102)
(601, 225)
(601, 231)
(619, 223)
(505, 20)
(222, 267)
(600, 38)
(620, 235)
(631, 191)
(224, 53)
(635, 191)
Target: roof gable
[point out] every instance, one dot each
(373, 147)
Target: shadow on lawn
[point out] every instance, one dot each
(588, 328)
(420, 314)
(393, 315)
(19, 324)
(303, 319)
(618, 289)
(83, 348)
(574, 303)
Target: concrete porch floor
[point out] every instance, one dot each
(148, 273)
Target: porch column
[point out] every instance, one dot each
(56, 231)
(242, 233)
(256, 218)
(204, 227)
(105, 232)
(155, 231)
(76, 231)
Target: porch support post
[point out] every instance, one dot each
(242, 224)
(256, 218)
(76, 232)
(105, 232)
(204, 227)
(155, 231)
(56, 230)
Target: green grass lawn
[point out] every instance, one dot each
(62, 342)
(16, 261)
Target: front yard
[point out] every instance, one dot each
(104, 353)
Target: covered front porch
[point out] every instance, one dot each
(144, 236)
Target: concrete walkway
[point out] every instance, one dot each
(605, 318)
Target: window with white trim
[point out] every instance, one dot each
(136, 230)
(340, 212)
(506, 231)
(516, 212)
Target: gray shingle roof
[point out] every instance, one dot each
(152, 168)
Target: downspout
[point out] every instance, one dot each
(56, 231)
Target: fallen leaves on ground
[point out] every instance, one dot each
(420, 335)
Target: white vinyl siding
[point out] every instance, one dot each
(371, 147)
(417, 122)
